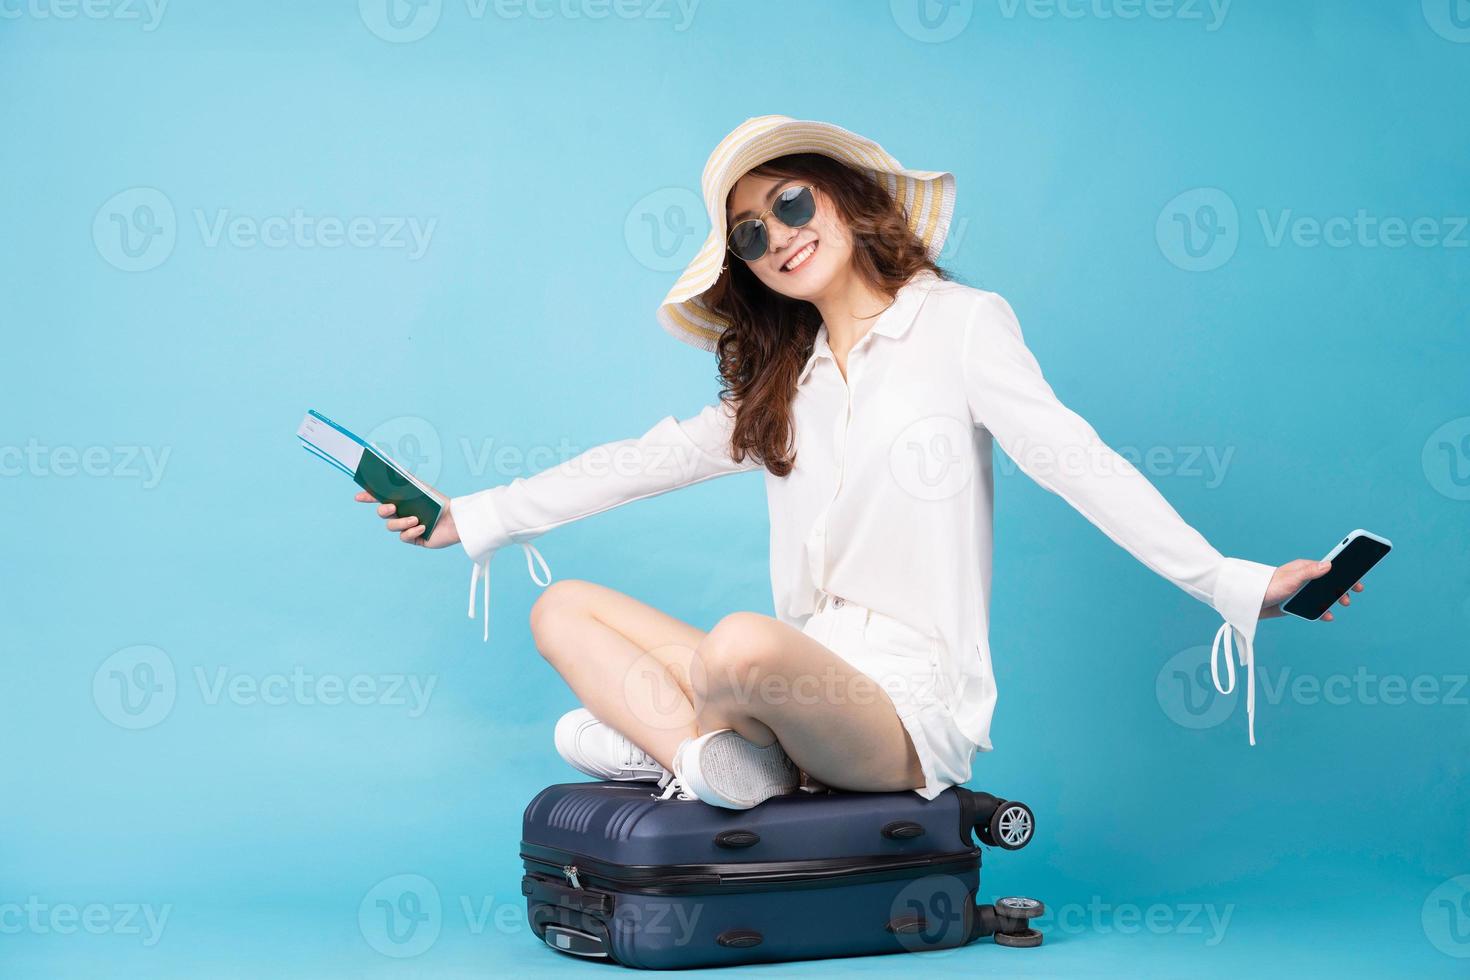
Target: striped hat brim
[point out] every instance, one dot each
(927, 197)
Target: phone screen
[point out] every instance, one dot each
(1350, 565)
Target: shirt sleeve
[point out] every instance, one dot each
(1058, 449)
(673, 453)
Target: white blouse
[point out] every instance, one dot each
(890, 498)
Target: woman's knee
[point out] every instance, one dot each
(736, 653)
(557, 604)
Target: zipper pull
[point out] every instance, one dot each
(570, 870)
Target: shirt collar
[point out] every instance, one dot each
(892, 322)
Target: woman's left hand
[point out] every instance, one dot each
(1292, 576)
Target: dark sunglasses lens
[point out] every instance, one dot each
(795, 206)
(748, 240)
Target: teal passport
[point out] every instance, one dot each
(372, 469)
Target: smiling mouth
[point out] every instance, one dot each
(800, 258)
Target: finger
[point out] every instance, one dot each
(387, 510)
(1303, 570)
(402, 523)
(1345, 601)
(1358, 587)
(364, 497)
(1327, 617)
(413, 533)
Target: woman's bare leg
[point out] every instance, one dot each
(770, 681)
(627, 662)
(659, 680)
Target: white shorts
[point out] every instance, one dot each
(904, 661)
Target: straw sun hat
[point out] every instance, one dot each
(927, 197)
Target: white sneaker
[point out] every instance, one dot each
(725, 769)
(602, 752)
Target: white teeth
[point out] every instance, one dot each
(800, 257)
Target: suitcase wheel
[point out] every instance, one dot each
(1019, 940)
(1013, 915)
(1011, 826)
(1017, 907)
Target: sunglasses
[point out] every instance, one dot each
(793, 207)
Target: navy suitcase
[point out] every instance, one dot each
(612, 873)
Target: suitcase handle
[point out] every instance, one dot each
(737, 838)
(550, 892)
(565, 939)
(903, 830)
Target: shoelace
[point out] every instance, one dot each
(672, 783)
(636, 758)
(1226, 633)
(483, 568)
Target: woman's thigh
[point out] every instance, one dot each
(835, 722)
(668, 643)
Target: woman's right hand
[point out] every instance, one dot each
(409, 529)
(1291, 577)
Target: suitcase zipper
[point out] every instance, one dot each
(660, 877)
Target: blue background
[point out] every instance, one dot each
(546, 151)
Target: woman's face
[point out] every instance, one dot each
(821, 248)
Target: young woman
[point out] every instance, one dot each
(870, 387)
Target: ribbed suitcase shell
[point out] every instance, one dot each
(660, 884)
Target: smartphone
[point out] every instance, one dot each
(1351, 559)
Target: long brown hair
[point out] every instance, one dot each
(770, 336)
